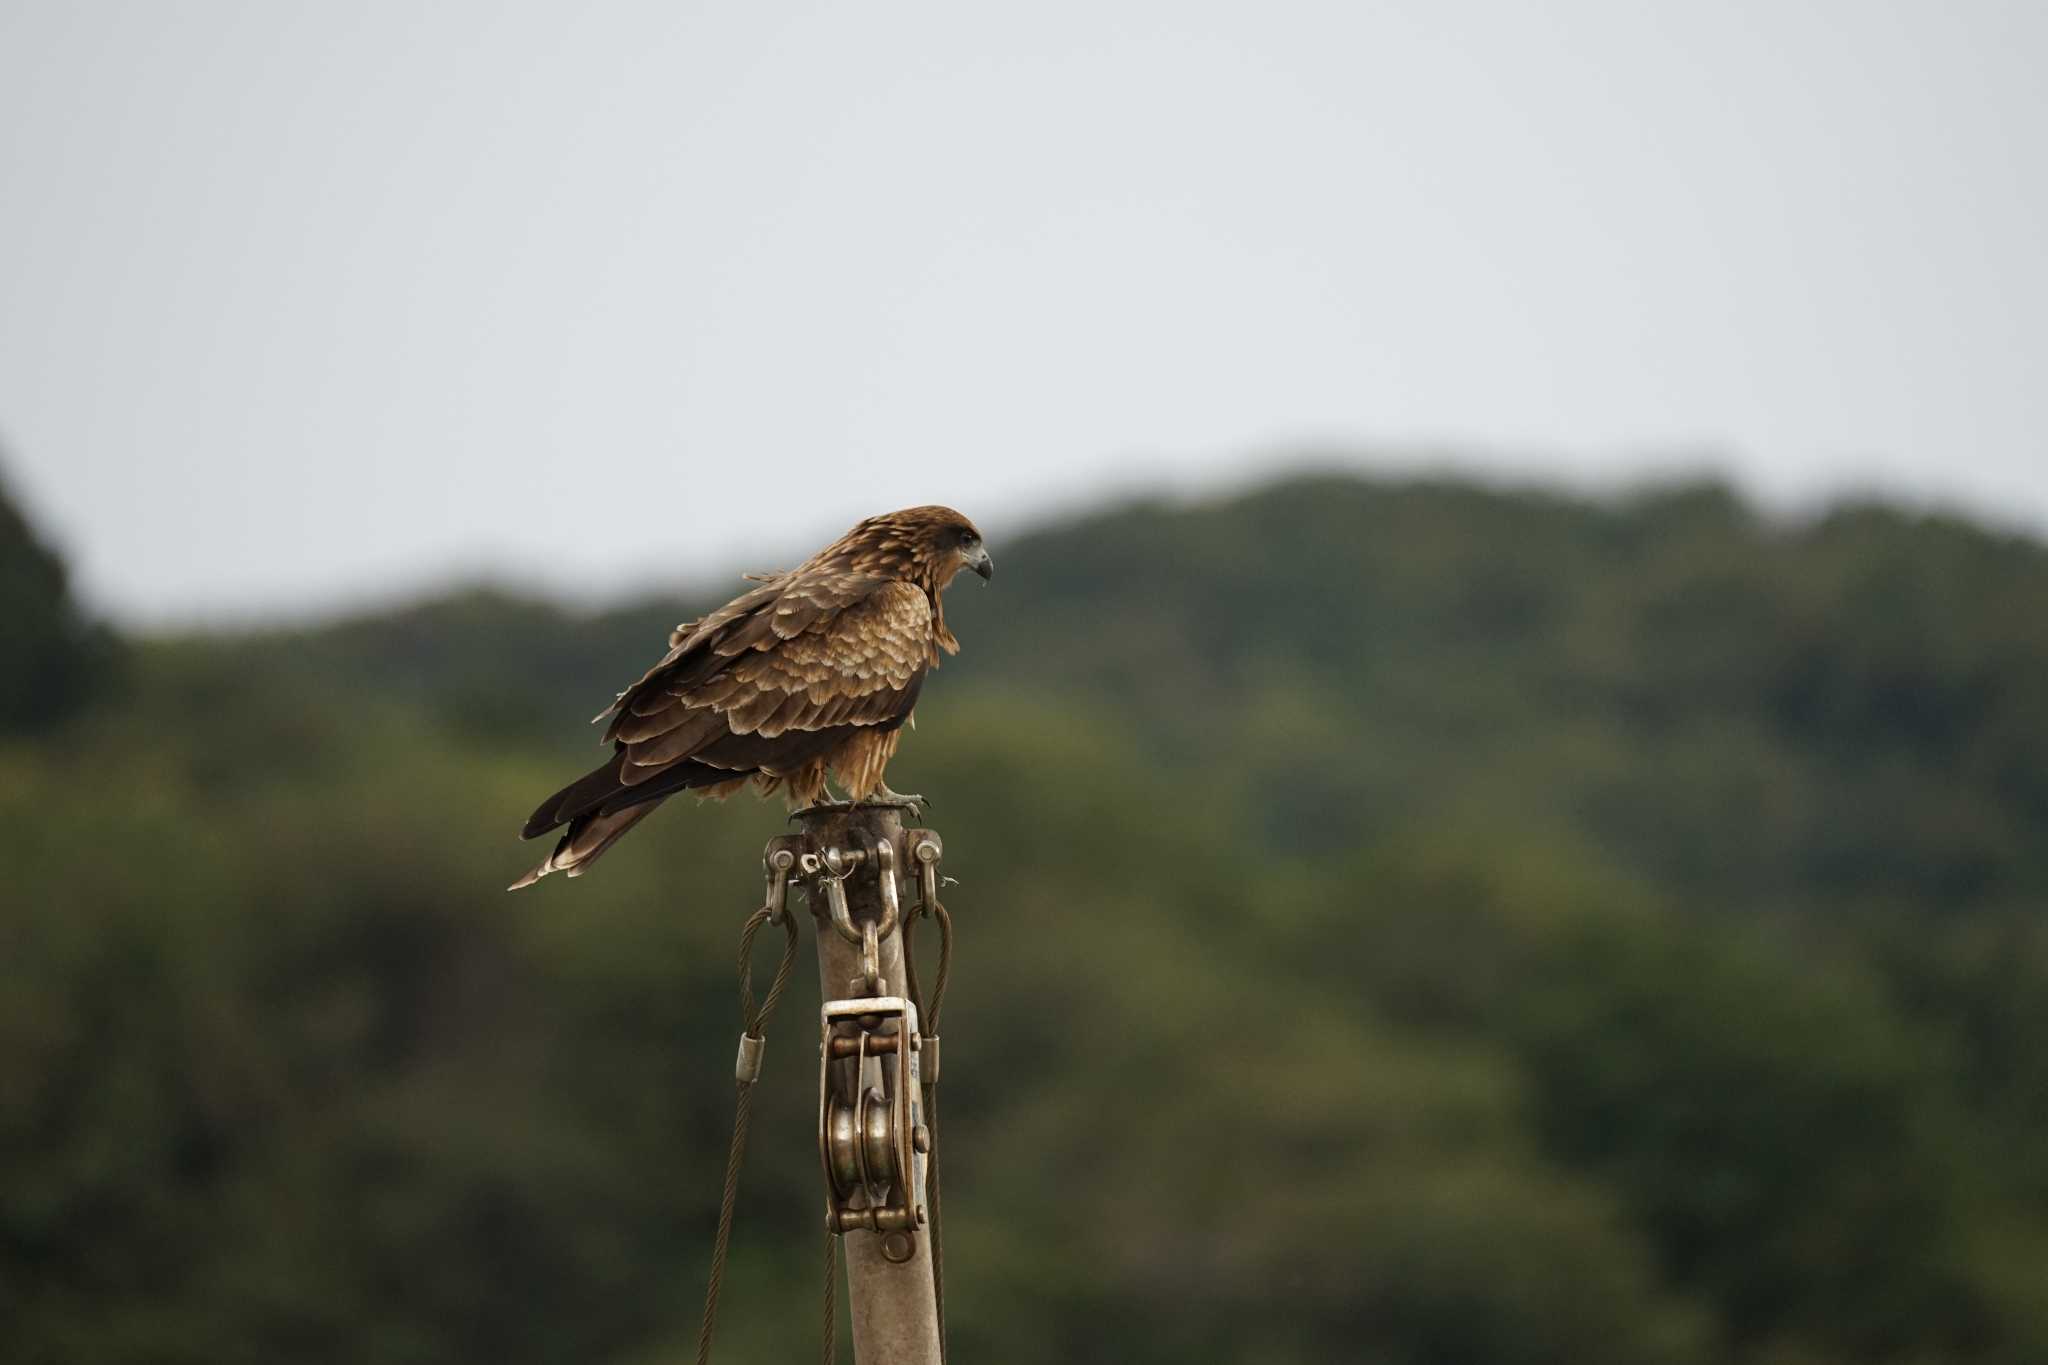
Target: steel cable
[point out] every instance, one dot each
(928, 1024)
(751, 1025)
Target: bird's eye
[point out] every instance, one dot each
(969, 539)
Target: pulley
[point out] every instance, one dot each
(871, 1135)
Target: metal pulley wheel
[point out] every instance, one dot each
(861, 1138)
(872, 1140)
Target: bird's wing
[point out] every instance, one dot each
(813, 653)
(789, 602)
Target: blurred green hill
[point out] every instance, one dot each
(55, 660)
(1407, 922)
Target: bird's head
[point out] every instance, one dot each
(928, 546)
(955, 545)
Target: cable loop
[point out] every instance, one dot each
(752, 1022)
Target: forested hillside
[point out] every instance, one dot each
(1408, 922)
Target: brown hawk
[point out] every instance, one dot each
(812, 674)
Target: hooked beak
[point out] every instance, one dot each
(983, 565)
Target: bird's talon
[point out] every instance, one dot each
(910, 801)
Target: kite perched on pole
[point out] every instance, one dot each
(810, 675)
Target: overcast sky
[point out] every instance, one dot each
(303, 303)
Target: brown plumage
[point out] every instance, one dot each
(813, 673)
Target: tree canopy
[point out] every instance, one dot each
(54, 659)
(1399, 921)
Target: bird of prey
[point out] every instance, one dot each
(812, 674)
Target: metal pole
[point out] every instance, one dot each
(895, 1309)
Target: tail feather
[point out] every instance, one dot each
(682, 777)
(588, 836)
(598, 809)
(585, 792)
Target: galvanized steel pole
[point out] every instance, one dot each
(894, 1305)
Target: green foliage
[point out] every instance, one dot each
(52, 659)
(1412, 923)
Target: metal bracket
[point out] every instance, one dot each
(780, 860)
(831, 869)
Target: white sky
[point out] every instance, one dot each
(303, 302)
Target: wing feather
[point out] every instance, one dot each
(692, 732)
(856, 655)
